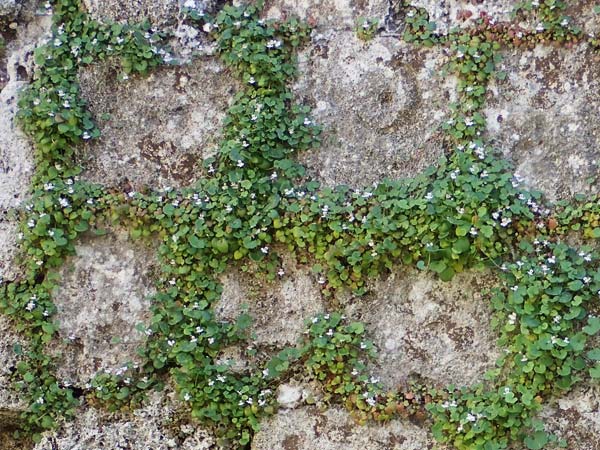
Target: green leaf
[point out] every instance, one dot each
(196, 242)
(595, 371)
(438, 266)
(593, 326)
(594, 354)
(537, 440)
(461, 245)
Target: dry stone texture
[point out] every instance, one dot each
(103, 295)
(156, 426)
(543, 116)
(380, 104)
(334, 429)
(177, 114)
(425, 327)
(279, 309)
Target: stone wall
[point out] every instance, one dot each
(381, 104)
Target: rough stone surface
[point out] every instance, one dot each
(103, 295)
(16, 151)
(157, 12)
(9, 9)
(9, 399)
(8, 249)
(576, 417)
(308, 429)
(328, 13)
(422, 326)
(289, 395)
(157, 426)
(450, 13)
(380, 105)
(279, 309)
(177, 113)
(540, 116)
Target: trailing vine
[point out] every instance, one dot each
(468, 211)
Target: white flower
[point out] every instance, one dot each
(429, 196)
(265, 249)
(329, 332)
(512, 319)
(211, 340)
(540, 27)
(363, 345)
(207, 27)
(63, 202)
(471, 417)
(274, 43)
(473, 231)
(48, 186)
(31, 223)
(281, 272)
(187, 397)
(251, 80)
(86, 135)
(240, 163)
(57, 42)
(40, 401)
(199, 330)
(211, 382)
(30, 306)
(170, 343)
(307, 121)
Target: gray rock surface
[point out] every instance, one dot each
(9, 399)
(541, 118)
(9, 9)
(576, 417)
(380, 105)
(279, 308)
(16, 151)
(340, 14)
(178, 112)
(157, 426)
(102, 296)
(8, 249)
(309, 429)
(423, 326)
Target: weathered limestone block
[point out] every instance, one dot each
(380, 104)
(9, 399)
(9, 9)
(158, 426)
(103, 295)
(279, 309)
(16, 150)
(543, 116)
(423, 326)
(308, 429)
(464, 13)
(160, 127)
(575, 417)
(328, 13)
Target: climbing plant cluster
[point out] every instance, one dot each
(467, 211)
